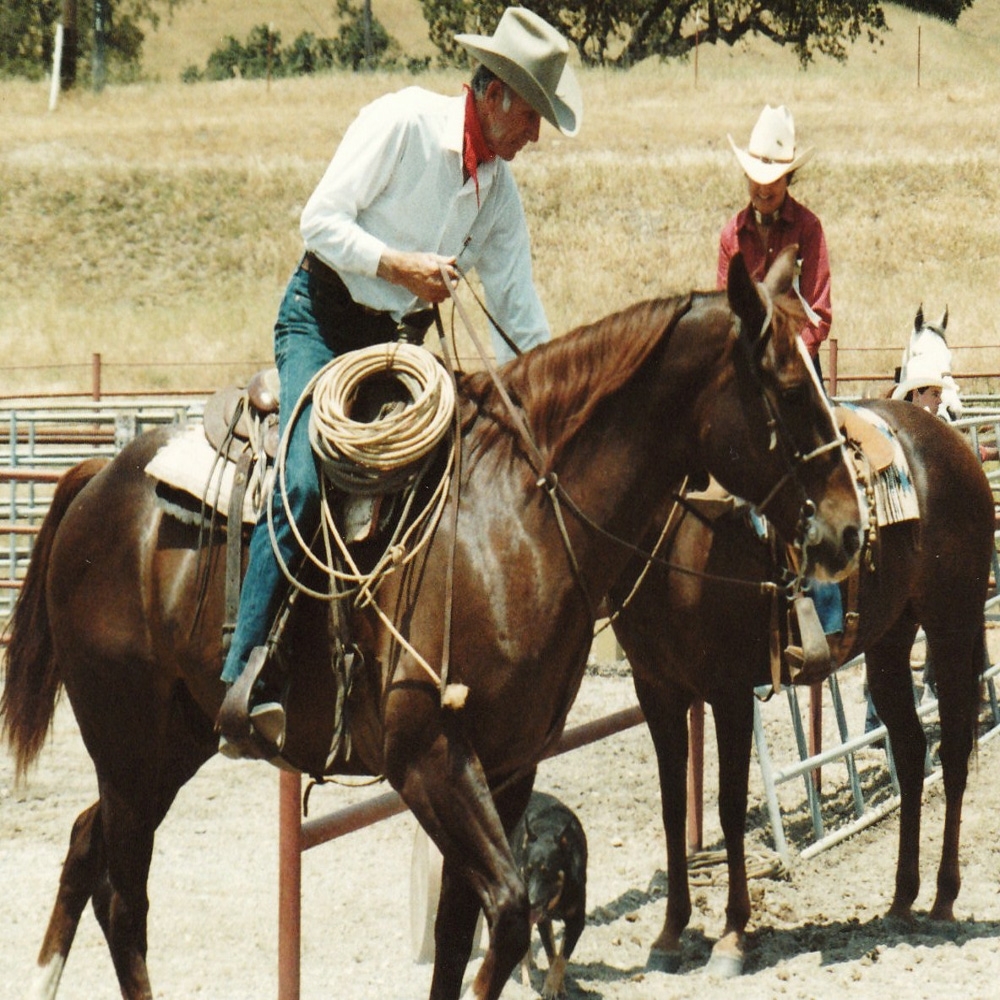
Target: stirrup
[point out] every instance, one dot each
(811, 662)
(257, 732)
(268, 720)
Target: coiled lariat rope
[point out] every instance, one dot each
(379, 457)
(386, 455)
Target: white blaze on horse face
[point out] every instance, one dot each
(928, 342)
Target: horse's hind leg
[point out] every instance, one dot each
(82, 872)
(957, 665)
(123, 906)
(165, 747)
(891, 685)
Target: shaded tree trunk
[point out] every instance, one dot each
(67, 72)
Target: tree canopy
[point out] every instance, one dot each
(623, 32)
(606, 32)
(27, 32)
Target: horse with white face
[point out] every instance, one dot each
(927, 341)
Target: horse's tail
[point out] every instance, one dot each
(32, 676)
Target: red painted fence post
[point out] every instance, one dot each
(289, 886)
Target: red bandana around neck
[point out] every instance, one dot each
(474, 148)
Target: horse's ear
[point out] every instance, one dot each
(781, 274)
(529, 835)
(918, 320)
(944, 319)
(744, 297)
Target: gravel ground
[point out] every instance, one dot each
(817, 931)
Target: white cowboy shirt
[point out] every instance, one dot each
(397, 180)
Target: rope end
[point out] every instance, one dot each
(454, 696)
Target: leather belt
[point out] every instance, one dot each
(313, 265)
(413, 325)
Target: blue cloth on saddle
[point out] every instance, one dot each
(826, 596)
(829, 605)
(895, 494)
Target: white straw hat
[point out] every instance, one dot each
(529, 55)
(770, 154)
(921, 373)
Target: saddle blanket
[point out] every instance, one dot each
(895, 495)
(187, 462)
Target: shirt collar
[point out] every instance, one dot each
(788, 212)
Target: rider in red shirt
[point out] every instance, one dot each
(773, 219)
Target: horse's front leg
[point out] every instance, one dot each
(445, 787)
(665, 707)
(734, 731)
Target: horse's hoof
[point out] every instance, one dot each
(901, 915)
(725, 966)
(943, 912)
(663, 961)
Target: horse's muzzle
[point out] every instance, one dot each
(826, 554)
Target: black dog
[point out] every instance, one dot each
(550, 849)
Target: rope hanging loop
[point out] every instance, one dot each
(383, 453)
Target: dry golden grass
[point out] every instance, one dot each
(157, 223)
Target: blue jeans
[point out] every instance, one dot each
(317, 321)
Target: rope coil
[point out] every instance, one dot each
(382, 455)
(394, 451)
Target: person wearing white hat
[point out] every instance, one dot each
(419, 183)
(773, 220)
(923, 383)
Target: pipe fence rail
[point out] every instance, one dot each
(973, 371)
(41, 438)
(883, 792)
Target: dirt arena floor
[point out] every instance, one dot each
(818, 929)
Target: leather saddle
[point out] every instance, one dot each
(240, 416)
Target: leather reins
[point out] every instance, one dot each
(558, 495)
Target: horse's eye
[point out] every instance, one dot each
(794, 395)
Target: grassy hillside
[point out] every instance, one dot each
(158, 223)
(198, 26)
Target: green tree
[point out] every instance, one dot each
(622, 32)
(27, 34)
(307, 54)
(351, 46)
(946, 10)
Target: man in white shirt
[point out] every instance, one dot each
(420, 182)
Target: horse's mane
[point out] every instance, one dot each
(558, 385)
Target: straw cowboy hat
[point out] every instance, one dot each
(921, 373)
(529, 55)
(770, 154)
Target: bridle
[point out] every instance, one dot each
(559, 497)
(780, 433)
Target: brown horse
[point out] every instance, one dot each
(621, 409)
(692, 637)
